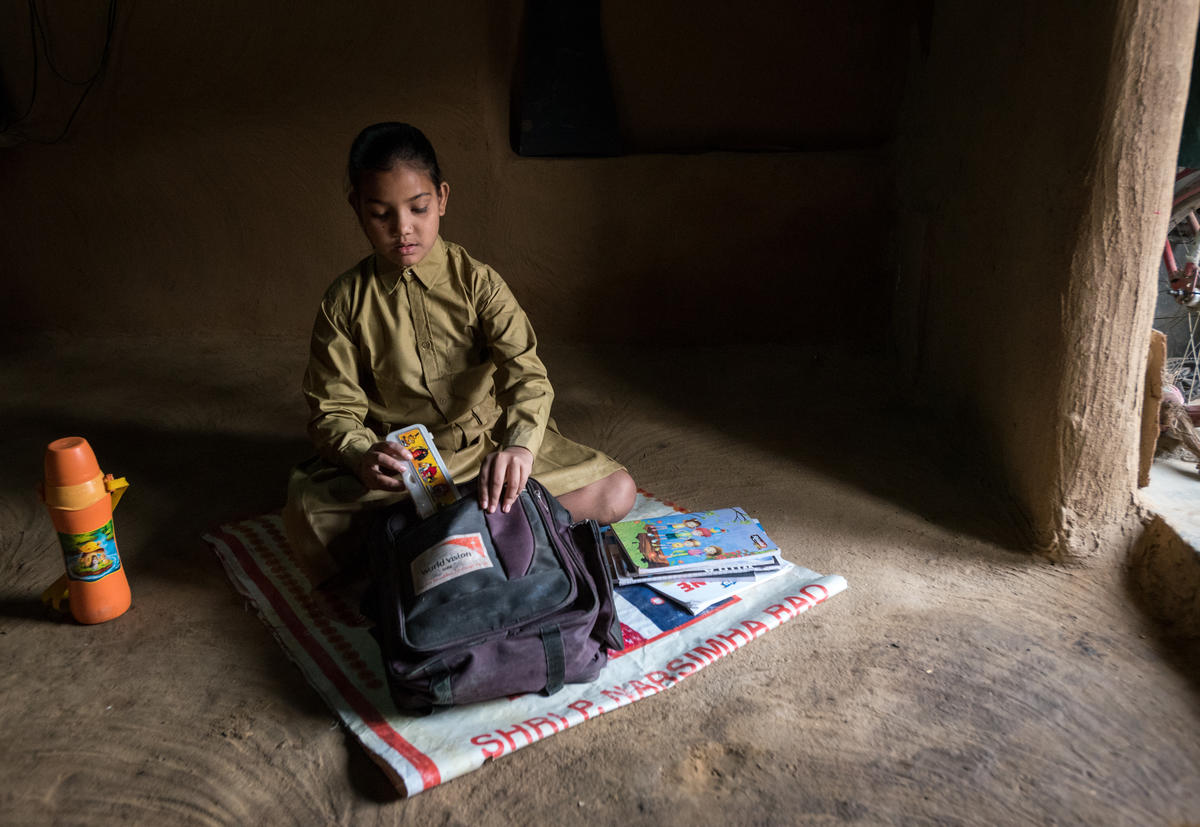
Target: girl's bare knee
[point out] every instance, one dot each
(619, 496)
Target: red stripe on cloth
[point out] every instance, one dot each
(649, 495)
(430, 775)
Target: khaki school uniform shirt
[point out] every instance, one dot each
(443, 344)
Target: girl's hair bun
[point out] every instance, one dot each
(383, 145)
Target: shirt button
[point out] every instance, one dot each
(425, 345)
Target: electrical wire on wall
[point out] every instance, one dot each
(37, 31)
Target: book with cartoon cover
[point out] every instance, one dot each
(725, 538)
(624, 573)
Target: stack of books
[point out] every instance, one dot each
(696, 559)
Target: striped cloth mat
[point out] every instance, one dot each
(331, 643)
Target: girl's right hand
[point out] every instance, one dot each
(380, 467)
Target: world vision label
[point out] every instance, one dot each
(453, 557)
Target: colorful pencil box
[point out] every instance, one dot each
(426, 477)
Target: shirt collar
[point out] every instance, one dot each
(429, 271)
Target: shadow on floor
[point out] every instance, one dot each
(368, 778)
(182, 482)
(1162, 579)
(844, 422)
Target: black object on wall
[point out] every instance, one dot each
(564, 102)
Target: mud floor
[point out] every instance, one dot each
(956, 681)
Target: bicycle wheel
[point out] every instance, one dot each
(1177, 312)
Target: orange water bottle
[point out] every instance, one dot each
(81, 500)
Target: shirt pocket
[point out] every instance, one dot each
(462, 352)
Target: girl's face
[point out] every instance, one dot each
(400, 211)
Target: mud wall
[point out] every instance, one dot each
(1034, 200)
(200, 191)
(1164, 577)
(200, 188)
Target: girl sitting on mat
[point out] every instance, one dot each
(419, 332)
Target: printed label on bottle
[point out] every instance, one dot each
(91, 555)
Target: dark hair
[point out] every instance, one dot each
(383, 145)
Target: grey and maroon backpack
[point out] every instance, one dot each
(470, 606)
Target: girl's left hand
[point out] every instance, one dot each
(503, 472)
